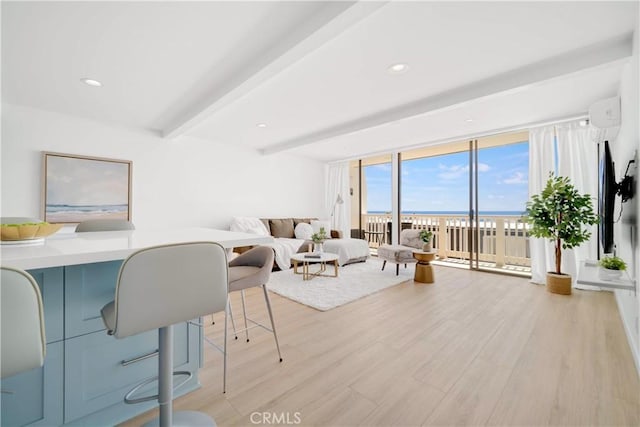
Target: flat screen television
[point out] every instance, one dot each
(607, 198)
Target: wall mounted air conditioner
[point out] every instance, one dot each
(604, 118)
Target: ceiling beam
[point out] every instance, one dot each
(555, 67)
(304, 39)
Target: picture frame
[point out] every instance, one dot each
(78, 188)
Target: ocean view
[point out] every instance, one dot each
(79, 213)
(481, 213)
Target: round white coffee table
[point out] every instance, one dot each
(308, 258)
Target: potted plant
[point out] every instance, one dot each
(559, 213)
(425, 236)
(318, 239)
(612, 267)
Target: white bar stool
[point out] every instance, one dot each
(161, 286)
(22, 338)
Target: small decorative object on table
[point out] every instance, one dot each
(612, 267)
(28, 232)
(425, 236)
(318, 239)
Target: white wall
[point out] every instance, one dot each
(188, 182)
(626, 144)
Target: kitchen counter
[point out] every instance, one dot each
(86, 372)
(64, 249)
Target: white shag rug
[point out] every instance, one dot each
(354, 281)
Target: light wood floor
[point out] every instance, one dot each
(471, 349)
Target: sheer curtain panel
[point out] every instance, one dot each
(541, 162)
(338, 185)
(578, 160)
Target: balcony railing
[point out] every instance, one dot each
(502, 240)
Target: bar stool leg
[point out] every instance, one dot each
(226, 316)
(165, 389)
(244, 311)
(273, 324)
(165, 380)
(233, 322)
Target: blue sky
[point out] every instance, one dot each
(441, 183)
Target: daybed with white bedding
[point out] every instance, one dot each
(292, 235)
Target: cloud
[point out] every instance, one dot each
(456, 171)
(385, 167)
(516, 178)
(452, 172)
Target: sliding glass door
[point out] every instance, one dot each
(471, 195)
(434, 189)
(499, 192)
(371, 184)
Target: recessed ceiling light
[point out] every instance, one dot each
(91, 82)
(469, 120)
(261, 125)
(398, 68)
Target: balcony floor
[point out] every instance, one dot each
(515, 270)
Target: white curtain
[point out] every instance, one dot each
(337, 184)
(578, 160)
(541, 163)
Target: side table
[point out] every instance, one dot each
(424, 269)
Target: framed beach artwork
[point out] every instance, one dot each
(78, 188)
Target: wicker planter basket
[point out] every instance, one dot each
(559, 283)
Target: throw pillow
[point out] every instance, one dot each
(248, 225)
(257, 230)
(297, 221)
(303, 231)
(316, 225)
(282, 227)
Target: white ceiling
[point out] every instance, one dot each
(316, 72)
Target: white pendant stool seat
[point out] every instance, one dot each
(157, 288)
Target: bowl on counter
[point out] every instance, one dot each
(27, 232)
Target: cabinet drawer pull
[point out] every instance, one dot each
(139, 359)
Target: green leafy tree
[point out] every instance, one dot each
(559, 213)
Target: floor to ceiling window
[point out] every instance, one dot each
(371, 184)
(471, 194)
(502, 193)
(434, 195)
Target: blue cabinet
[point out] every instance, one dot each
(87, 372)
(50, 281)
(88, 287)
(100, 369)
(34, 396)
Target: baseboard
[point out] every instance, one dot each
(628, 329)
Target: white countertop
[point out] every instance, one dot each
(84, 248)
